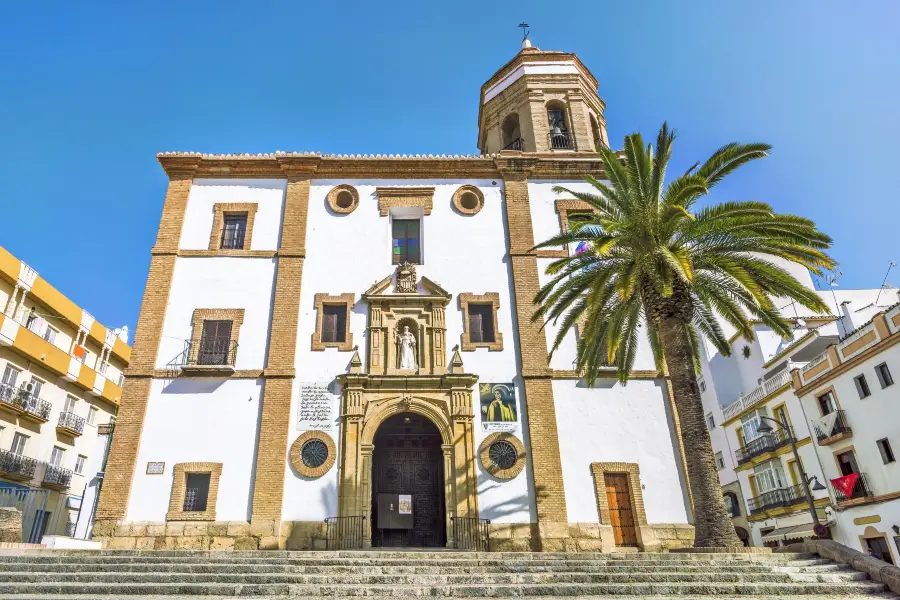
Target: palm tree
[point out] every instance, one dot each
(651, 260)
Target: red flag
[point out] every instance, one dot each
(846, 483)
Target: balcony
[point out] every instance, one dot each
(70, 424)
(57, 478)
(776, 499)
(561, 140)
(757, 394)
(517, 144)
(767, 442)
(860, 490)
(24, 403)
(16, 466)
(212, 357)
(832, 428)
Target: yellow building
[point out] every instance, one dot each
(61, 377)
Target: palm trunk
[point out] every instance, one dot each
(712, 525)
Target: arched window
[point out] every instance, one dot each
(512, 134)
(732, 505)
(595, 132)
(560, 139)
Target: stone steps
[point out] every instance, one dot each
(405, 575)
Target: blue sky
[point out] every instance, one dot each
(89, 92)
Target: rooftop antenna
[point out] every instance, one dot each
(831, 279)
(526, 43)
(884, 283)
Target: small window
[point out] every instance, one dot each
(407, 241)
(481, 323)
(884, 375)
(92, 415)
(79, 463)
(71, 401)
(826, 403)
(887, 454)
(234, 230)
(862, 386)
(720, 461)
(215, 343)
(36, 386)
(50, 334)
(196, 492)
(781, 416)
(56, 456)
(710, 422)
(10, 375)
(334, 323)
(18, 444)
(702, 385)
(732, 505)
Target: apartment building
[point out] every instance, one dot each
(61, 378)
(849, 394)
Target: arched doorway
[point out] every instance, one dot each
(408, 459)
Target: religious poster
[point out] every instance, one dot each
(316, 409)
(498, 406)
(404, 504)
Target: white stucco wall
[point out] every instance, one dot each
(612, 423)
(268, 194)
(220, 282)
(198, 420)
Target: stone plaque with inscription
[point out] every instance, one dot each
(316, 410)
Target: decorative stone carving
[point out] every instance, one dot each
(406, 349)
(406, 279)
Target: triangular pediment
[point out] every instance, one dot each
(389, 286)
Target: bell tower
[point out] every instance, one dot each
(541, 101)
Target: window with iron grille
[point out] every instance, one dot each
(720, 461)
(334, 323)
(887, 454)
(234, 230)
(196, 492)
(884, 375)
(215, 343)
(481, 323)
(407, 239)
(862, 386)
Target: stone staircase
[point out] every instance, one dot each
(183, 574)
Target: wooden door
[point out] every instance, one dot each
(621, 516)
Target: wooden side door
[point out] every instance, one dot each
(621, 515)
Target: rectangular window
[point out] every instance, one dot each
(196, 492)
(10, 375)
(79, 463)
(36, 384)
(847, 463)
(750, 427)
(887, 454)
(862, 386)
(18, 444)
(827, 404)
(92, 415)
(69, 406)
(481, 323)
(770, 476)
(781, 416)
(50, 334)
(56, 456)
(406, 241)
(215, 342)
(884, 375)
(334, 323)
(702, 385)
(710, 422)
(720, 461)
(233, 232)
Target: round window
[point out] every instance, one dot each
(503, 454)
(344, 199)
(469, 201)
(314, 453)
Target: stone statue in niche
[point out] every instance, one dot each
(406, 278)
(406, 349)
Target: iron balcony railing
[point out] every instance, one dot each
(71, 421)
(829, 426)
(24, 401)
(777, 499)
(212, 353)
(516, 144)
(561, 140)
(17, 465)
(861, 489)
(57, 476)
(344, 533)
(767, 442)
(470, 533)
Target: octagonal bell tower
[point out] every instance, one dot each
(541, 101)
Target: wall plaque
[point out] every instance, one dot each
(156, 468)
(316, 407)
(498, 407)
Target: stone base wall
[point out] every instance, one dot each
(211, 535)
(10, 525)
(586, 537)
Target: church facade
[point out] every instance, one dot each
(349, 338)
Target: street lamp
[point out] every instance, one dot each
(764, 427)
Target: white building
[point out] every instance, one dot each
(322, 333)
(61, 377)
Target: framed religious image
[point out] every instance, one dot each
(498, 406)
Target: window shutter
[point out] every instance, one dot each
(476, 332)
(329, 327)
